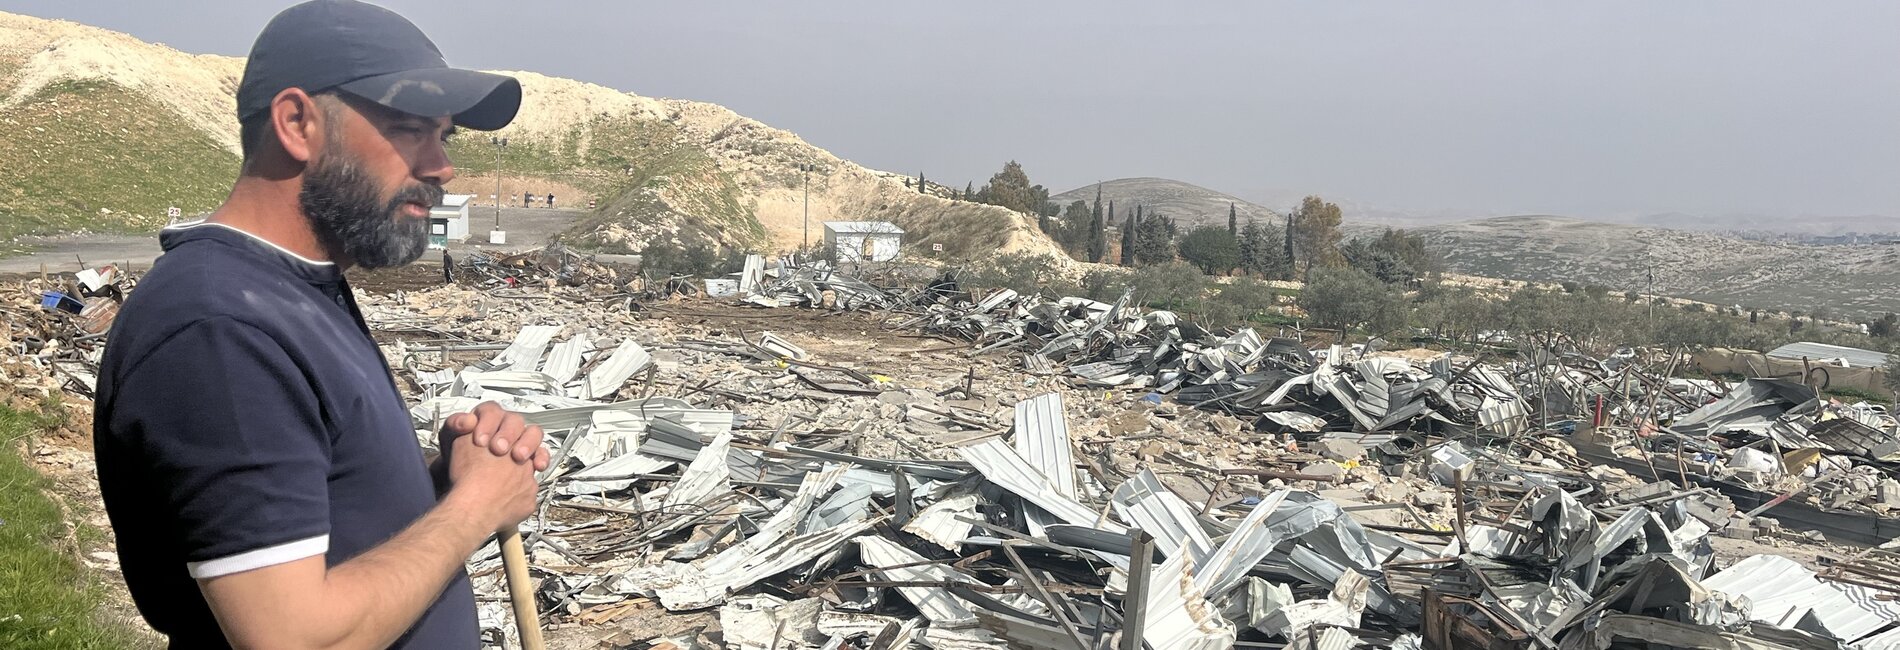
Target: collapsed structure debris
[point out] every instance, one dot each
(1058, 472)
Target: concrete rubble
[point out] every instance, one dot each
(1060, 472)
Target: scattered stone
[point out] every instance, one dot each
(1339, 450)
(1322, 468)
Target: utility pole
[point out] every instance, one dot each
(805, 170)
(1651, 290)
(500, 143)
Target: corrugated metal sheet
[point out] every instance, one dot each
(710, 585)
(565, 359)
(995, 300)
(1781, 590)
(703, 421)
(706, 476)
(1179, 615)
(607, 378)
(936, 603)
(1818, 352)
(939, 524)
(1152, 507)
(1219, 572)
(767, 552)
(622, 465)
(525, 352)
(1042, 438)
(753, 275)
(472, 383)
(1002, 466)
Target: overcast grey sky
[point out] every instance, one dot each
(1582, 108)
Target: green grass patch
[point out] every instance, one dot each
(1850, 395)
(76, 148)
(47, 599)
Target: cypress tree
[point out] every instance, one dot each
(1128, 241)
(1098, 236)
(1289, 242)
(920, 183)
(1233, 221)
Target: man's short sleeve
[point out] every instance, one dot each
(229, 432)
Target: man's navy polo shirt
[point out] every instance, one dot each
(245, 419)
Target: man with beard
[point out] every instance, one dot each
(257, 462)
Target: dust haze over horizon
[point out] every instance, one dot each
(1606, 110)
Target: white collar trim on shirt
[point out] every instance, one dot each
(194, 224)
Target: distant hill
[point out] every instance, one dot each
(1188, 204)
(1851, 280)
(101, 131)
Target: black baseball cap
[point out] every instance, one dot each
(375, 54)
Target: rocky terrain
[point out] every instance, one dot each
(1852, 281)
(1188, 204)
(100, 131)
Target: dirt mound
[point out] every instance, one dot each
(659, 168)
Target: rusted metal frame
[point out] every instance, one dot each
(1135, 602)
(1042, 593)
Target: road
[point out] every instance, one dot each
(526, 227)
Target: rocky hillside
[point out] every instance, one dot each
(1852, 281)
(101, 131)
(1188, 204)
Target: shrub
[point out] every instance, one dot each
(1168, 286)
(1248, 297)
(1105, 285)
(662, 260)
(1022, 272)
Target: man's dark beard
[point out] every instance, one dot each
(350, 219)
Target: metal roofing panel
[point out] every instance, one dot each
(525, 352)
(625, 464)
(471, 383)
(1777, 586)
(562, 419)
(708, 587)
(937, 604)
(1179, 615)
(1042, 438)
(565, 359)
(706, 476)
(1150, 506)
(1855, 357)
(607, 378)
(1002, 466)
(1216, 573)
(939, 522)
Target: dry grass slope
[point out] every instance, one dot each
(97, 119)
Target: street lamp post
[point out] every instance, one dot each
(805, 170)
(500, 144)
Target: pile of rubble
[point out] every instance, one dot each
(1067, 473)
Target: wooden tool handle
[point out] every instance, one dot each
(514, 562)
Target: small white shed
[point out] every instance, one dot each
(864, 241)
(449, 221)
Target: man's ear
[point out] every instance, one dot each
(298, 123)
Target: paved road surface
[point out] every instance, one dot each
(526, 227)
